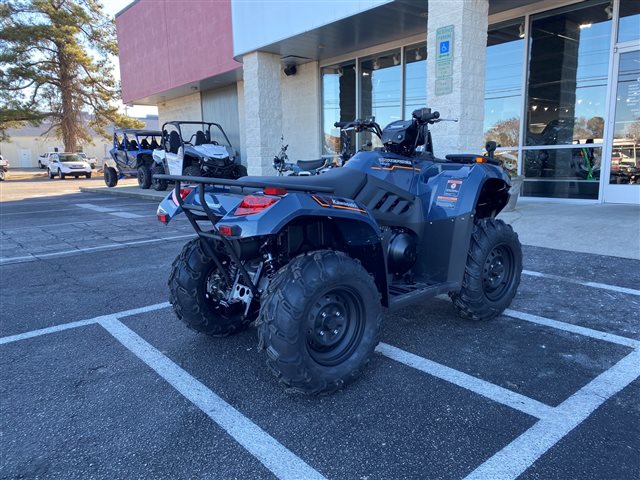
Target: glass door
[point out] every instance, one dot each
(622, 176)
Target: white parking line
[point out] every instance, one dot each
(81, 323)
(486, 389)
(112, 246)
(95, 208)
(283, 463)
(520, 454)
(603, 286)
(125, 215)
(570, 327)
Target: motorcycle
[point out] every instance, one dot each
(301, 168)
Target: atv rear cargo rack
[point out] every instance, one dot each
(242, 184)
(194, 213)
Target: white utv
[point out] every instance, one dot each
(195, 149)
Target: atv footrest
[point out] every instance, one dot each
(402, 295)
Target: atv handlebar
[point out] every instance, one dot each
(425, 115)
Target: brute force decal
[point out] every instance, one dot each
(340, 203)
(391, 164)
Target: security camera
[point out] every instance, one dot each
(290, 70)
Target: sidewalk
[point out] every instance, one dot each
(129, 189)
(25, 173)
(602, 229)
(588, 228)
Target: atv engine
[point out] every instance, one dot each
(401, 252)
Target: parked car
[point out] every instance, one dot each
(67, 165)
(92, 161)
(131, 155)
(4, 167)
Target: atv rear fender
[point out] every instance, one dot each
(305, 221)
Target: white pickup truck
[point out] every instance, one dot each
(61, 164)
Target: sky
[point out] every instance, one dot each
(111, 7)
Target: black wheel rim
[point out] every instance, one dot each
(334, 326)
(498, 272)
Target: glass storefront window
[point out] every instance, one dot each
(415, 78)
(563, 173)
(625, 154)
(380, 89)
(568, 69)
(629, 24)
(509, 160)
(338, 103)
(502, 99)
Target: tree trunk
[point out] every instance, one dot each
(69, 112)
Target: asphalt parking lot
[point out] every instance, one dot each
(98, 379)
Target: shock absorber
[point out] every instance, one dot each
(269, 264)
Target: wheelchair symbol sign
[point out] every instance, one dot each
(444, 48)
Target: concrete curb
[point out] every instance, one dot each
(121, 192)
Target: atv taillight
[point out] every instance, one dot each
(275, 191)
(163, 217)
(184, 193)
(252, 204)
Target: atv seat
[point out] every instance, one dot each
(346, 182)
(311, 164)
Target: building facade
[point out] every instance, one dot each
(24, 145)
(555, 83)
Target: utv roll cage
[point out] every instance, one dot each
(172, 143)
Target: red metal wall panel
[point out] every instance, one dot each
(170, 43)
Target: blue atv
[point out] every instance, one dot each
(132, 156)
(313, 260)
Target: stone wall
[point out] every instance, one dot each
(301, 115)
(188, 107)
(466, 102)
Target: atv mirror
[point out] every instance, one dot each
(490, 147)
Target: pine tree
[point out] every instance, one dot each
(55, 63)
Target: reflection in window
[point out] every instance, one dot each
(563, 173)
(380, 88)
(568, 70)
(509, 160)
(625, 155)
(338, 103)
(566, 163)
(629, 24)
(415, 78)
(502, 99)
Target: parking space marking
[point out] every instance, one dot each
(570, 327)
(486, 389)
(603, 286)
(45, 331)
(81, 323)
(127, 215)
(111, 246)
(520, 454)
(95, 208)
(283, 463)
